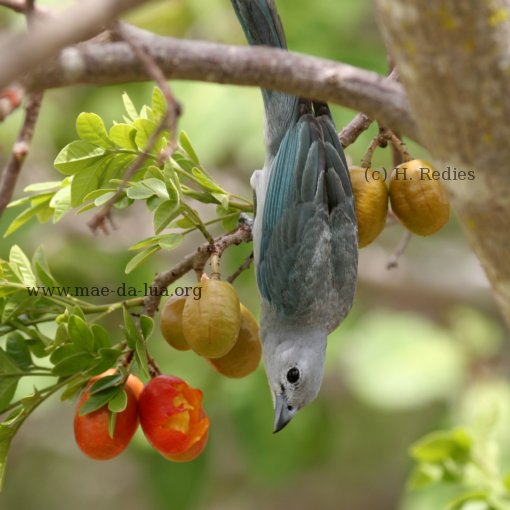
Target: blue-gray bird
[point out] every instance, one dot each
(304, 233)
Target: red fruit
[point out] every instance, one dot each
(91, 430)
(173, 419)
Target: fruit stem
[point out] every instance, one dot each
(399, 145)
(215, 266)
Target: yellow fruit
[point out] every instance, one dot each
(211, 324)
(170, 323)
(418, 200)
(245, 356)
(371, 200)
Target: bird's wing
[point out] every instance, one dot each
(308, 212)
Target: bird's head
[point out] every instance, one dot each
(294, 363)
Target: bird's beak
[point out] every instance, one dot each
(282, 415)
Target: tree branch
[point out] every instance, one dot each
(22, 52)
(300, 75)
(195, 261)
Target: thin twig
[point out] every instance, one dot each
(15, 5)
(360, 122)
(243, 267)
(168, 122)
(351, 132)
(22, 52)
(20, 150)
(399, 251)
(194, 261)
(399, 145)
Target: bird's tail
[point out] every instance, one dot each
(260, 22)
(262, 27)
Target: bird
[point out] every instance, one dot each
(305, 237)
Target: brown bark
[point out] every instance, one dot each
(454, 62)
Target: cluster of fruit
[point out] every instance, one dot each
(216, 326)
(169, 411)
(418, 201)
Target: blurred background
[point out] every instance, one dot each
(423, 349)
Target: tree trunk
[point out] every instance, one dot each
(454, 62)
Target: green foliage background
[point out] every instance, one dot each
(422, 350)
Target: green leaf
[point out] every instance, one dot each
(24, 217)
(144, 129)
(61, 203)
(185, 143)
(43, 186)
(64, 352)
(164, 214)
(477, 500)
(105, 197)
(18, 351)
(206, 182)
(424, 475)
(158, 104)
(20, 201)
(223, 199)
(15, 304)
(61, 336)
(97, 193)
(118, 402)
(6, 436)
(149, 241)
(182, 162)
(37, 347)
(109, 356)
(170, 241)
(129, 106)
(21, 265)
(146, 112)
(72, 389)
(79, 312)
(8, 387)
(74, 364)
(130, 329)
(78, 156)
(90, 128)
(80, 333)
(83, 183)
(184, 223)
(139, 258)
(123, 135)
(147, 188)
(97, 401)
(41, 270)
(101, 337)
(7, 365)
(112, 420)
(147, 326)
(9, 377)
(108, 381)
(141, 356)
(440, 446)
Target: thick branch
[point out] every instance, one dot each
(22, 52)
(108, 63)
(462, 106)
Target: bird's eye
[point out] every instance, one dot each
(293, 375)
